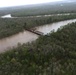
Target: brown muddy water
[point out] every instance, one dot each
(26, 36)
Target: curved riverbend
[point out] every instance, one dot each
(26, 36)
(54, 26)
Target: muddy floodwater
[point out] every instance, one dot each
(54, 26)
(26, 36)
(12, 41)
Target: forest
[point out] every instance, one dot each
(39, 9)
(52, 54)
(10, 26)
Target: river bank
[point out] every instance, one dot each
(11, 26)
(25, 36)
(52, 54)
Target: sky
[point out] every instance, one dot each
(7, 3)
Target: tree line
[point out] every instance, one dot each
(10, 26)
(52, 54)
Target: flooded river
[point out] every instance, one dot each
(12, 41)
(9, 15)
(54, 26)
(26, 36)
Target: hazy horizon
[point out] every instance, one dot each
(9, 3)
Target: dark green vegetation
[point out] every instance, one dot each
(10, 26)
(40, 9)
(52, 54)
(14, 25)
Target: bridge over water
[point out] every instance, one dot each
(35, 32)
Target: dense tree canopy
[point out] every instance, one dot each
(10, 26)
(52, 54)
